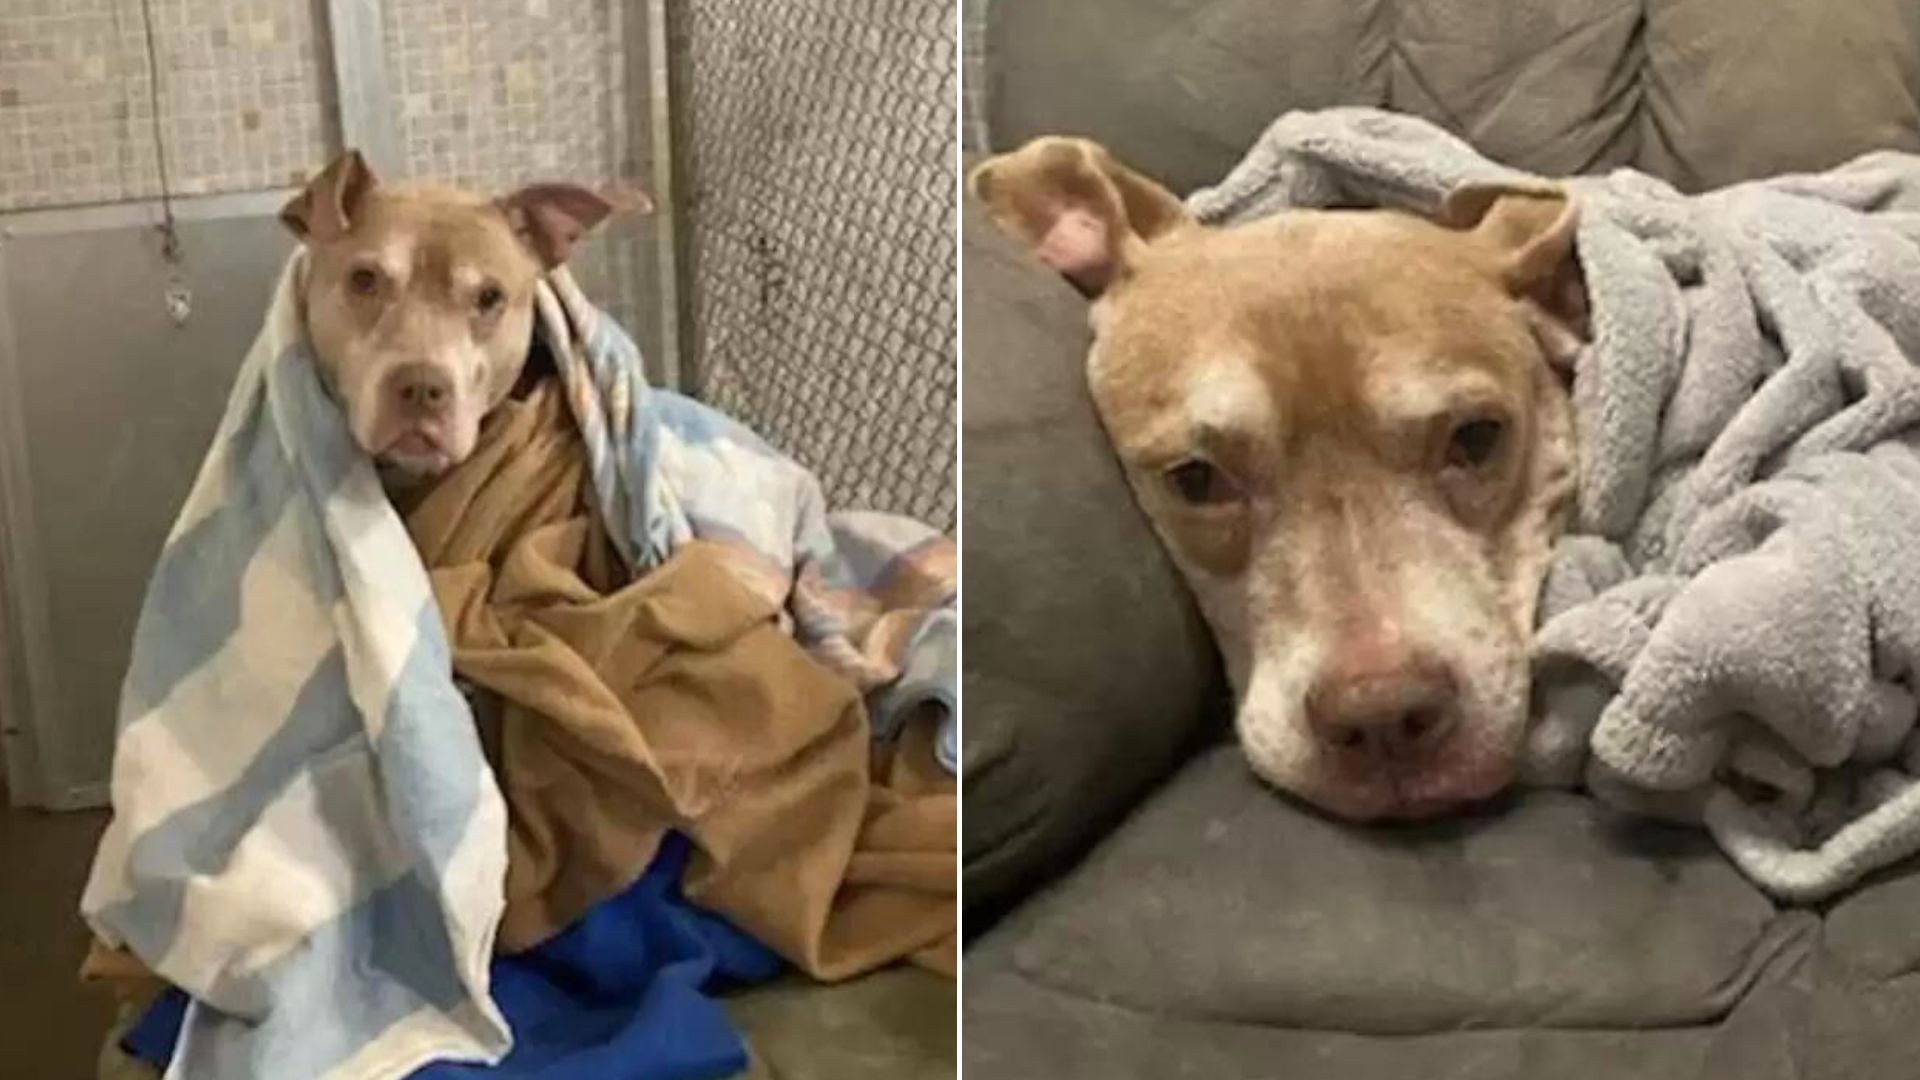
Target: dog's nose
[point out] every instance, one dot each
(423, 387)
(1382, 698)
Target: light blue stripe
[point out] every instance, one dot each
(192, 606)
(200, 839)
(928, 675)
(381, 961)
(621, 501)
(628, 473)
(317, 425)
(431, 764)
(700, 425)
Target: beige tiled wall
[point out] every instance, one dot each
(493, 94)
(488, 93)
(246, 100)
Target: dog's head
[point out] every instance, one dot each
(419, 300)
(1351, 430)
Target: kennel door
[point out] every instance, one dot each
(106, 409)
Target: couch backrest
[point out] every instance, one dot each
(1701, 92)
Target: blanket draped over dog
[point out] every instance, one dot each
(1730, 631)
(674, 701)
(307, 836)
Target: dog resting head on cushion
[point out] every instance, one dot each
(419, 300)
(1351, 430)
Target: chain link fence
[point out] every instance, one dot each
(814, 144)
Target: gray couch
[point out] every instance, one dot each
(1137, 904)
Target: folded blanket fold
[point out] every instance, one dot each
(1730, 633)
(307, 836)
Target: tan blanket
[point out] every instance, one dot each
(676, 701)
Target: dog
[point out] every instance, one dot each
(419, 300)
(1352, 431)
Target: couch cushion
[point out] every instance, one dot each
(1874, 931)
(1086, 669)
(1177, 90)
(1222, 900)
(1703, 92)
(1739, 89)
(1018, 1029)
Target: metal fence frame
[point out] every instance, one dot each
(30, 702)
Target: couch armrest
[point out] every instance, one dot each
(1086, 671)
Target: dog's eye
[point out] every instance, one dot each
(489, 299)
(1200, 483)
(1475, 442)
(364, 281)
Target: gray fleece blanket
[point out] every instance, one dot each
(1730, 630)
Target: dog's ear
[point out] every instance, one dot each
(1530, 231)
(551, 218)
(324, 211)
(1083, 213)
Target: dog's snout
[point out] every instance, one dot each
(423, 387)
(1379, 697)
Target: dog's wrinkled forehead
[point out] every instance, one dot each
(438, 246)
(1309, 323)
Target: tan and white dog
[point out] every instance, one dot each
(1351, 429)
(419, 300)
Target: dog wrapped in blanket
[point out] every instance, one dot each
(309, 837)
(1728, 625)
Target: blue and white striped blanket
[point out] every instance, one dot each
(306, 836)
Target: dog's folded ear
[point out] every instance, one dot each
(1529, 230)
(1083, 213)
(324, 211)
(552, 218)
